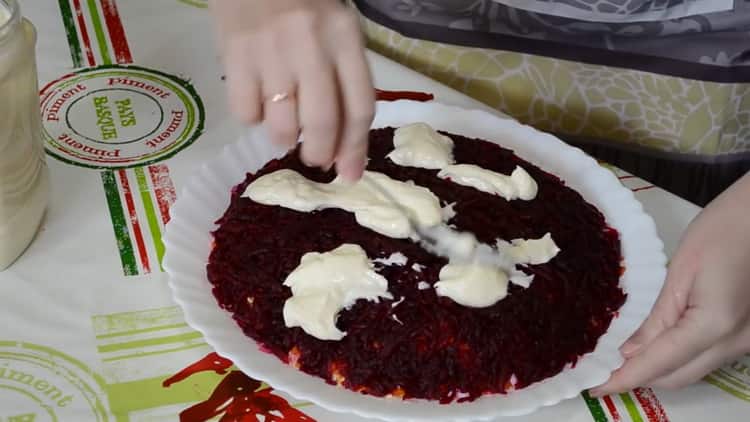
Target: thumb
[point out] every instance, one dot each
(669, 306)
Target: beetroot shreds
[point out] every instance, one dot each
(442, 350)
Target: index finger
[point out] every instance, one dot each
(358, 100)
(318, 107)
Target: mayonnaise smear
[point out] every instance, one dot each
(325, 283)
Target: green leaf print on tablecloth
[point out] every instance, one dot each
(733, 378)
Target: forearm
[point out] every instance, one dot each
(738, 193)
(742, 186)
(735, 202)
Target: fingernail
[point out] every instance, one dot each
(596, 393)
(346, 175)
(629, 349)
(305, 160)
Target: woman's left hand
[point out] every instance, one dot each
(701, 318)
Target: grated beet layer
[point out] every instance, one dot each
(438, 348)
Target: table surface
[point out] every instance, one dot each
(90, 330)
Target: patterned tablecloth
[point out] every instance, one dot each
(132, 101)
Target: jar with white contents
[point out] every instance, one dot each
(24, 177)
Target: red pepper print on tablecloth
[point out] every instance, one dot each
(236, 398)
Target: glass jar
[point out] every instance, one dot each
(24, 177)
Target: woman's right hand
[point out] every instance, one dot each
(299, 65)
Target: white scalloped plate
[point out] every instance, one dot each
(206, 196)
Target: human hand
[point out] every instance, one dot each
(701, 318)
(309, 55)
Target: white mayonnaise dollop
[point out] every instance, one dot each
(325, 283)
